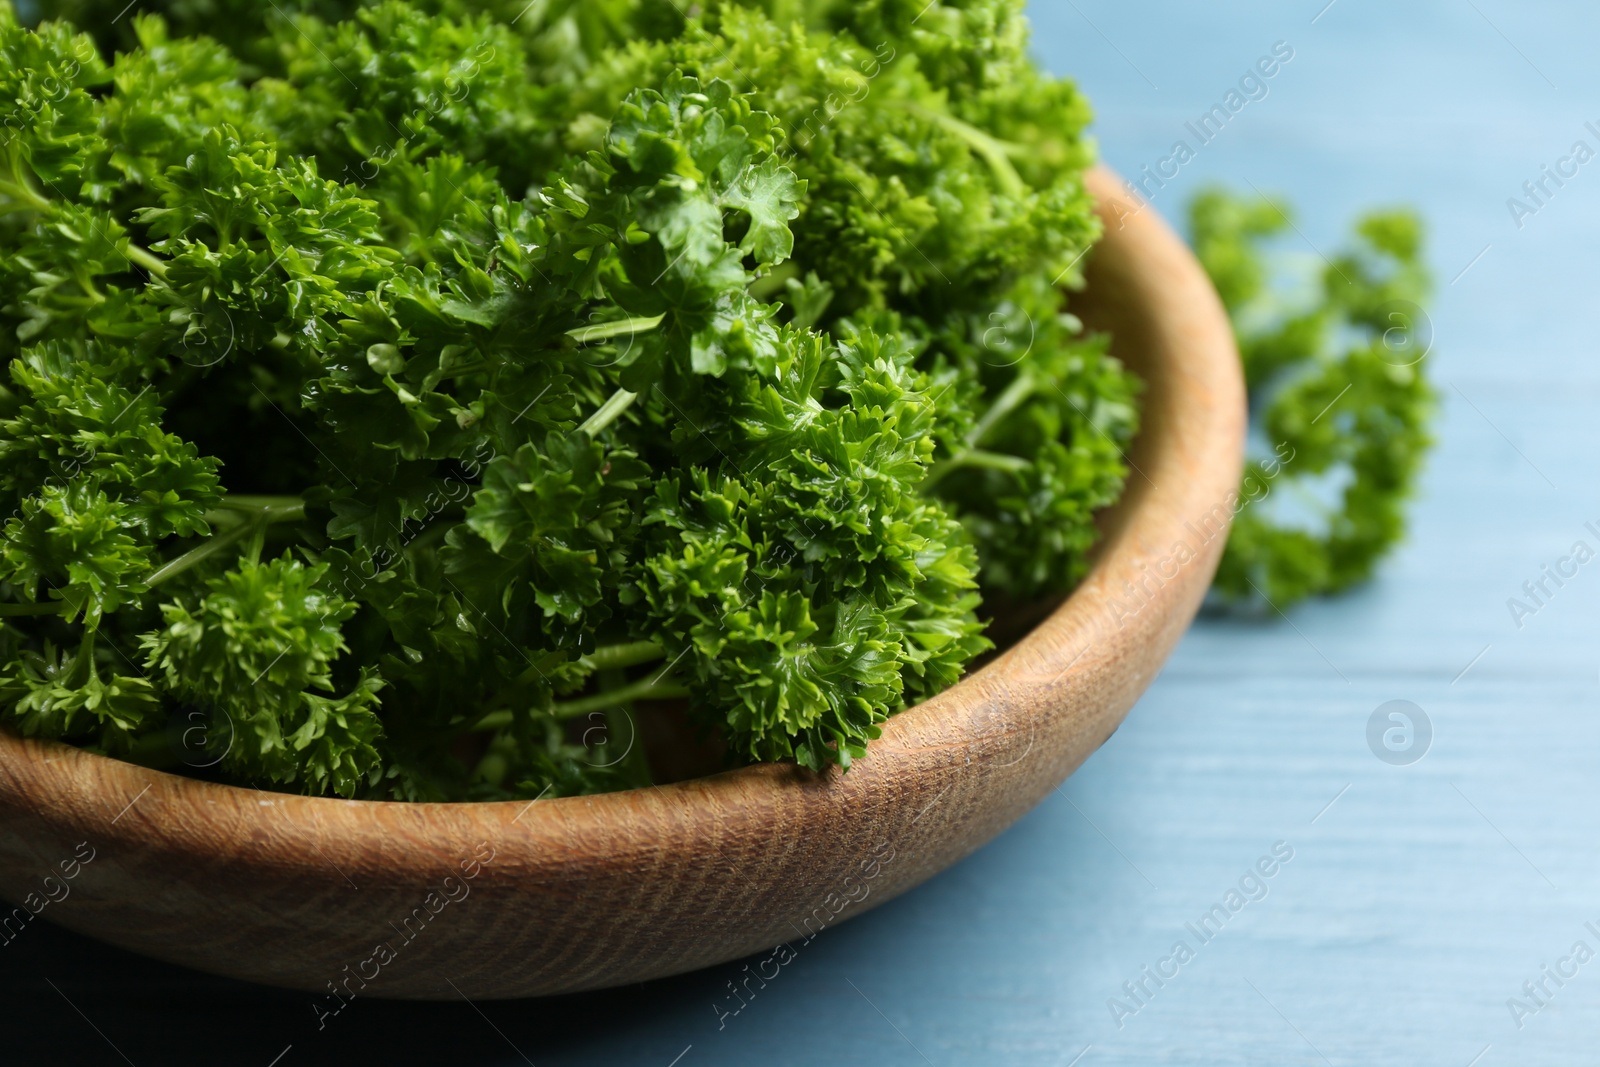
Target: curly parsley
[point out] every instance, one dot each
(408, 390)
(1339, 397)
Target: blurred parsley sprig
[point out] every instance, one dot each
(1339, 398)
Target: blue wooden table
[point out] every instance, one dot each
(1432, 912)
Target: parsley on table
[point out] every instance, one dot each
(1339, 397)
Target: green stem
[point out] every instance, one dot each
(263, 516)
(771, 283)
(645, 689)
(496, 762)
(257, 509)
(83, 668)
(258, 540)
(994, 152)
(604, 331)
(244, 502)
(606, 413)
(200, 553)
(49, 608)
(20, 192)
(468, 368)
(603, 658)
(495, 720)
(148, 260)
(610, 657)
(19, 189)
(976, 457)
(1022, 387)
(634, 764)
(1004, 404)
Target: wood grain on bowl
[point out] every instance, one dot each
(520, 899)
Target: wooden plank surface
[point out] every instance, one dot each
(1419, 898)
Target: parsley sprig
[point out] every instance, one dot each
(1339, 396)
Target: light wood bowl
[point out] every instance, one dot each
(587, 892)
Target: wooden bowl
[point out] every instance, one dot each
(518, 899)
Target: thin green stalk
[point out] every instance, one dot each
(975, 457)
(148, 260)
(258, 541)
(602, 658)
(633, 762)
(1003, 405)
(994, 152)
(610, 657)
(21, 191)
(604, 331)
(245, 502)
(83, 663)
(200, 553)
(497, 760)
(22, 194)
(771, 283)
(495, 720)
(606, 413)
(465, 369)
(583, 335)
(645, 689)
(262, 516)
(53, 607)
